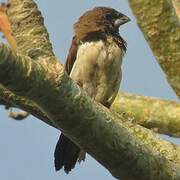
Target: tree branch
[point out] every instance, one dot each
(162, 116)
(11, 100)
(19, 116)
(161, 27)
(127, 150)
(28, 29)
(176, 4)
(124, 148)
(33, 41)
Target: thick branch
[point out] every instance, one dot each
(33, 40)
(160, 115)
(127, 150)
(19, 102)
(28, 29)
(161, 27)
(5, 103)
(12, 100)
(176, 4)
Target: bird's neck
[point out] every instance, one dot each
(102, 35)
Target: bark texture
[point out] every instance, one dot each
(127, 150)
(176, 4)
(161, 116)
(159, 22)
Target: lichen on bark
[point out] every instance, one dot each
(160, 25)
(162, 116)
(126, 149)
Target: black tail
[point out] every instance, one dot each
(66, 154)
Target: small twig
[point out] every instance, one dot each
(18, 115)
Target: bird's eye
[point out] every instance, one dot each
(109, 16)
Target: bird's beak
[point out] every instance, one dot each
(122, 20)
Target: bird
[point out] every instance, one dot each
(94, 63)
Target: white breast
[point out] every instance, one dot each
(97, 69)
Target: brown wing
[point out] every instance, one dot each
(66, 152)
(71, 55)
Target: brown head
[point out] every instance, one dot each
(99, 20)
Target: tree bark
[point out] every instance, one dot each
(159, 22)
(127, 150)
(9, 99)
(161, 116)
(176, 4)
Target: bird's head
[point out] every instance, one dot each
(100, 20)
